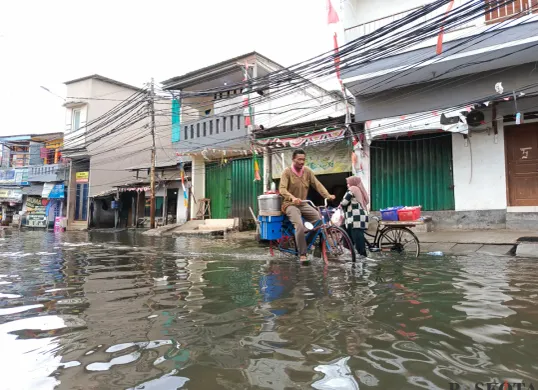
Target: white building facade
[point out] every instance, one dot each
(481, 172)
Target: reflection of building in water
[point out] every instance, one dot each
(195, 276)
(484, 285)
(120, 293)
(337, 376)
(319, 313)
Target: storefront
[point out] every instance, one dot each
(328, 155)
(53, 199)
(11, 201)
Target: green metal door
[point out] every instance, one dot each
(218, 188)
(245, 190)
(413, 171)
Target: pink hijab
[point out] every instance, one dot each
(358, 190)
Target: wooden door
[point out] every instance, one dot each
(521, 144)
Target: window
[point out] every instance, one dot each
(197, 130)
(224, 124)
(76, 120)
(210, 127)
(238, 122)
(186, 132)
(192, 131)
(204, 125)
(217, 126)
(232, 123)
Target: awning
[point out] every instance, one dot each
(416, 123)
(33, 190)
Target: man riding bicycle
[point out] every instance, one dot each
(294, 185)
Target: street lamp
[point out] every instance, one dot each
(52, 93)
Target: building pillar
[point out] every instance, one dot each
(71, 194)
(267, 172)
(365, 174)
(197, 183)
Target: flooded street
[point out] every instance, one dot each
(125, 311)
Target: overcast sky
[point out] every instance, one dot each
(49, 42)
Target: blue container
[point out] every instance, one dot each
(263, 218)
(271, 227)
(390, 213)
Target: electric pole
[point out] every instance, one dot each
(152, 179)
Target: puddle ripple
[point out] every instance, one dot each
(123, 310)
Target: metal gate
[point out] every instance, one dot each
(413, 171)
(232, 189)
(218, 184)
(245, 190)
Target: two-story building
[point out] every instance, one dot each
(32, 179)
(450, 118)
(216, 129)
(107, 133)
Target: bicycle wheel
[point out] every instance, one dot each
(287, 246)
(340, 245)
(399, 240)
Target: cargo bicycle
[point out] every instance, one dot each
(394, 237)
(333, 241)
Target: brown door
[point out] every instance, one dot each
(522, 164)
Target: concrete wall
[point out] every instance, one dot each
(355, 12)
(451, 93)
(197, 183)
(479, 165)
(182, 211)
(111, 155)
(297, 107)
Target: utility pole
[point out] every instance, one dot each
(152, 179)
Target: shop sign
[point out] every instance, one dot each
(7, 176)
(322, 159)
(34, 205)
(37, 220)
(82, 177)
(53, 191)
(10, 195)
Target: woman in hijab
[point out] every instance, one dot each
(354, 205)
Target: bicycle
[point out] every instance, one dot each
(394, 236)
(333, 240)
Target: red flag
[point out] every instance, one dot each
(442, 32)
(332, 15)
(337, 57)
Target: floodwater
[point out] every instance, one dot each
(126, 311)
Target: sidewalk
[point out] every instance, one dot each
(493, 242)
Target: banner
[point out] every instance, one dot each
(322, 159)
(7, 176)
(53, 191)
(34, 205)
(10, 195)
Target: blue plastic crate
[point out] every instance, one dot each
(271, 230)
(390, 213)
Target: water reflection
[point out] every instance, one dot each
(109, 311)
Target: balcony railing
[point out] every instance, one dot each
(225, 126)
(501, 10)
(47, 173)
(371, 26)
